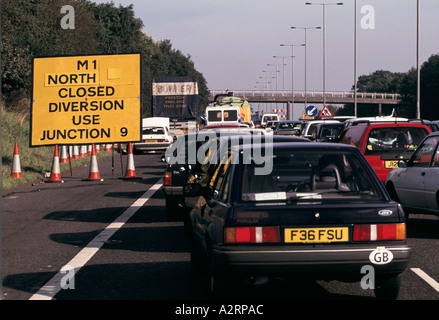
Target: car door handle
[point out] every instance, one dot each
(423, 174)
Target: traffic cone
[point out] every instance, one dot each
(131, 171)
(83, 151)
(16, 167)
(55, 175)
(64, 156)
(98, 148)
(94, 171)
(75, 152)
(108, 147)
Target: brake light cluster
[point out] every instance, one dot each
(376, 232)
(252, 235)
(167, 179)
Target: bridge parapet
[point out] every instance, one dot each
(335, 97)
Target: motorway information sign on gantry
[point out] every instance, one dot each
(86, 99)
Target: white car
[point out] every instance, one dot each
(156, 136)
(415, 183)
(311, 126)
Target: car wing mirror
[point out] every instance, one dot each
(402, 163)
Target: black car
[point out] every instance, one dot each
(297, 209)
(186, 163)
(326, 132)
(289, 127)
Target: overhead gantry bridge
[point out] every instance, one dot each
(329, 97)
(311, 97)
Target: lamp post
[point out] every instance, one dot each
(324, 40)
(355, 59)
(418, 47)
(283, 70)
(292, 73)
(277, 70)
(305, 29)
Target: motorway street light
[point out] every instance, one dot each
(277, 70)
(324, 40)
(269, 77)
(305, 29)
(418, 49)
(292, 73)
(355, 59)
(283, 69)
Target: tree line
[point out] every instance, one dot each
(32, 28)
(404, 83)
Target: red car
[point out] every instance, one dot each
(384, 144)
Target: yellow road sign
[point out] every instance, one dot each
(86, 99)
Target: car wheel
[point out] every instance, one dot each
(198, 261)
(216, 281)
(172, 209)
(387, 288)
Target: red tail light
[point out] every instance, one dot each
(252, 235)
(167, 179)
(375, 232)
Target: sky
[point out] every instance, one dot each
(231, 42)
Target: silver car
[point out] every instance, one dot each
(415, 182)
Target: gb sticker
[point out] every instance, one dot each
(381, 256)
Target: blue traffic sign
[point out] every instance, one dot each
(311, 111)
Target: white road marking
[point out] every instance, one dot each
(426, 278)
(51, 288)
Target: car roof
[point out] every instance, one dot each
(271, 138)
(434, 133)
(303, 146)
(389, 124)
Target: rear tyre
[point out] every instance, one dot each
(216, 282)
(173, 212)
(387, 288)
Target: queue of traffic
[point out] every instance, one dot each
(259, 203)
(403, 153)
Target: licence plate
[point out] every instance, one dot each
(391, 164)
(149, 140)
(316, 235)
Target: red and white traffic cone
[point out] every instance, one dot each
(131, 171)
(55, 175)
(98, 148)
(16, 167)
(64, 156)
(108, 147)
(75, 152)
(94, 171)
(83, 151)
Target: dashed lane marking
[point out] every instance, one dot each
(51, 288)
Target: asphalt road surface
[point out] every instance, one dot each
(109, 240)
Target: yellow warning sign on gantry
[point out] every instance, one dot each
(86, 99)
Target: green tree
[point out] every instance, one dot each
(32, 28)
(406, 85)
(430, 88)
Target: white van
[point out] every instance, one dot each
(223, 115)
